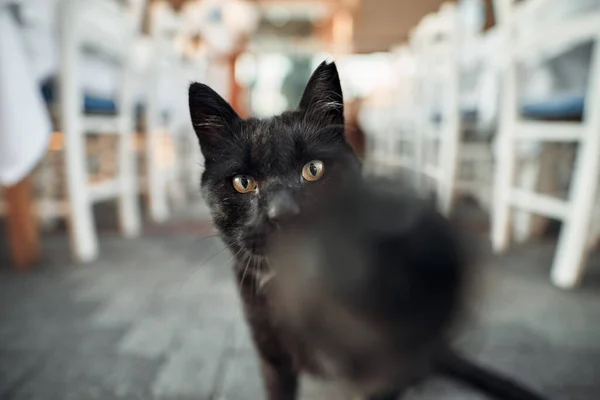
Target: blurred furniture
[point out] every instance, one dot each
(391, 124)
(436, 122)
(478, 66)
(532, 39)
(355, 136)
(192, 160)
(457, 69)
(160, 170)
(81, 115)
(435, 43)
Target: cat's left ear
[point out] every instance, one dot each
(322, 98)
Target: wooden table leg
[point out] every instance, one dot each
(23, 233)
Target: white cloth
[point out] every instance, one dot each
(29, 55)
(25, 125)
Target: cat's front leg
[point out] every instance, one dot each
(281, 383)
(279, 375)
(277, 366)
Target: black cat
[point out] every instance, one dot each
(258, 175)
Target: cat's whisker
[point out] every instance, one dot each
(257, 277)
(245, 270)
(211, 257)
(199, 240)
(192, 274)
(203, 263)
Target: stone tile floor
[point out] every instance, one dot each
(158, 318)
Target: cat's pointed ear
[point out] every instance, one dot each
(212, 117)
(322, 97)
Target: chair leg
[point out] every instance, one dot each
(501, 214)
(196, 164)
(23, 233)
(84, 241)
(418, 159)
(536, 175)
(81, 220)
(594, 235)
(450, 169)
(129, 213)
(547, 184)
(570, 258)
(527, 179)
(176, 190)
(159, 211)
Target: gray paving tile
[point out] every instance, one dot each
(241, 378)
(242, 337)
(76, 375)
(158, 318)
(16, 369)
(150, 336)
(194, 368)
(121, 308)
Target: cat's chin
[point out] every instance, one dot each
(256, 244)
(257, 252)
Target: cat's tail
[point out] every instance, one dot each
(457, 367)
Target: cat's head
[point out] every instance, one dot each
(259, 172)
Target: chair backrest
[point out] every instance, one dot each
(434, 45)
(105, 25)
(165, 25)
(110, 28)
(542, 29)
(404, 67)
(538, 31)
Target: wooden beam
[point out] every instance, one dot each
(23, 233)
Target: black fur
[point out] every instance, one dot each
(273, 151)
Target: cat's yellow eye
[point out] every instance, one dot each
(313, 170)
(244, 183)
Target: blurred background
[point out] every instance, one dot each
(112, 282)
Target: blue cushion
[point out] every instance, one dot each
(91, 104)
(560, 107)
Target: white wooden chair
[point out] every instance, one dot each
(531, 40)
(478, 66)
(163, 27)
(434, 44)
(192, 160)
(75, 123)
(173, 170)
(391, 145)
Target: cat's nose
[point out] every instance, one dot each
(282, 206)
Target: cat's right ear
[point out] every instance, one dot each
(212, 117)
(322, 98)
